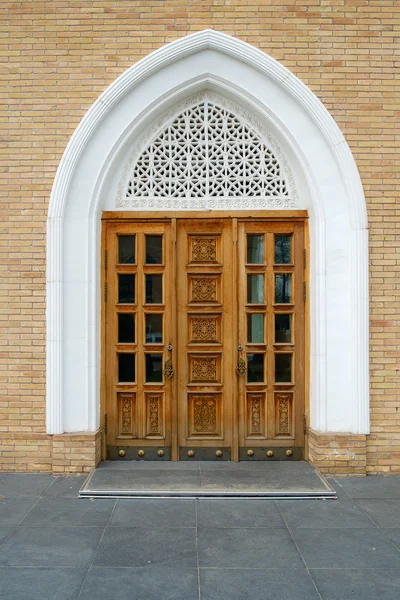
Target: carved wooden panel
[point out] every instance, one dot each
(204, 368)
(205, 415)
(256, 415)
(204, 289)
(205, 329)
(204, 249)
(283, 413)
(127, 420)
(154, 415)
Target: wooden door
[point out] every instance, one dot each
(271, 340)
(206, 337)
(139, 332)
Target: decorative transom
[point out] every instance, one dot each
(208, 157)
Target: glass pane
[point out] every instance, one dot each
(126, 367)
(154, 289)
(283, 368)
(126, 249)
(283, 329)
(126, 328)
(283, 288)
(255, 249)
(126, 289)
(255, 368)
(153, 329)
(154, 368)
(255, 329)
(283, 249)
(255, 289)
(154, 249)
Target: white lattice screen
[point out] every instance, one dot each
(208, 157)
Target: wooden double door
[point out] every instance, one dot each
(204, 346)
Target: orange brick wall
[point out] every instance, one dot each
(59, 55)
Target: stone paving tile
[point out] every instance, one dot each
(157, 583)
(357, 584)
(69, 512)
(40, 583)
(4, 532)
(257, 584)
(41, 547)
(385, 512)
(15, 485)
(238, 513)
(247, 548)
(394, 534)
(346, 548)
(144, 547)
(155, 513)
(13, 510)
(67, 487)
(323, 514)
(371, 487)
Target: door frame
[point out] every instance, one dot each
(160, 216)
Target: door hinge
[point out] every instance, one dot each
(305, 423)
(304, 291)
(105, 260)
(305, 258)
(105, 292)
(105, 423)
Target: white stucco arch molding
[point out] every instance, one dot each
(329, 187)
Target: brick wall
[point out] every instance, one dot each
(59, 55)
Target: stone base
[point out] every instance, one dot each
(69, 453)
(340, 454)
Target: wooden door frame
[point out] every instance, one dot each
(172, 216)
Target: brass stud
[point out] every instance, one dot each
(191, 453)
(121, 453)
(270, 454)
(141, 453)
(160, 453)
(289, 452)
(218, 453)
(250, 452)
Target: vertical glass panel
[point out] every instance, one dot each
(126, 367)
(153, 289)
(154, 329)
(126, 289)
(255, 328)
(153, 249)
(154, 368)
(255, 289)
(126, 328)
(283, 368)
(255, 368)
(283, 288)
(283, 329)
(255, 249)
(126, 249)
(283, 249)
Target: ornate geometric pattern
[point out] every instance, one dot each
(154, 417)
(256, 414)
(125, 414)
(283, 413)
(204, 249)
(204, 369)
(205, 414)
(213, 153)
(204, 329)
(204, 289)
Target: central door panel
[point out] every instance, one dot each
(205, 386)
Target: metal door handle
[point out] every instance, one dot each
(168, 369)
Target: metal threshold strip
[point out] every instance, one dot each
(300, 482)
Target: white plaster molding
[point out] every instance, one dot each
(332, 193)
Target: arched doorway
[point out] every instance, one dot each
(323, 174)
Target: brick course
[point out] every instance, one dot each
(59, 55)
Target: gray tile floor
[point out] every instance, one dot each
(54, 546)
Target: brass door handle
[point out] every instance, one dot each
(241, 369)
(168, 369)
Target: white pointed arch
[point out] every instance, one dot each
(328, 185)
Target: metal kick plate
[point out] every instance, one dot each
(279, 453)
(158, 453)
(192, 453)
